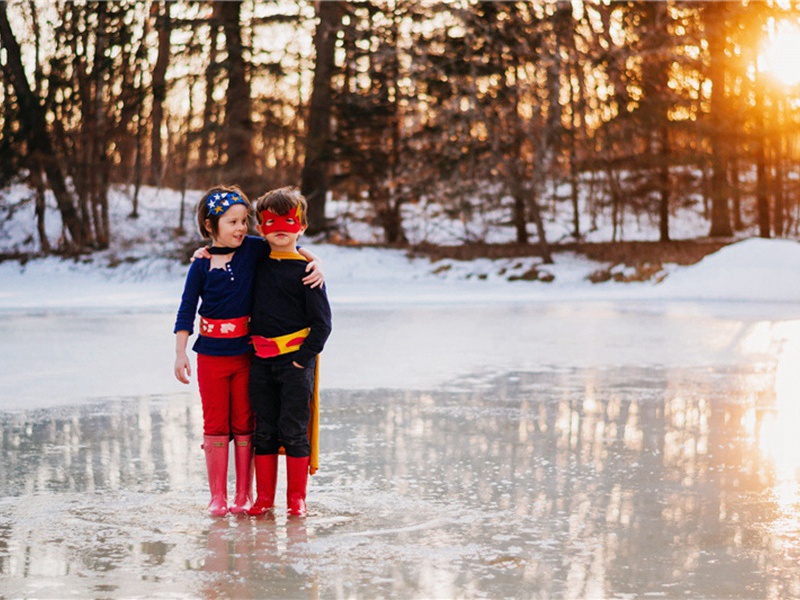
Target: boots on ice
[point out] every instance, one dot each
(266, 480)
(267, 477)
(296, 484)
(243, 460)
(216, 449)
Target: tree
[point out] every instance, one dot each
(715, 16)
(40, 145)
(657, 56)
(315, 170)
(238, 132)
(161, 12)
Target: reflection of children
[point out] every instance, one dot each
(290, 324)
(225, 283)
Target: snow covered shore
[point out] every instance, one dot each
(753, 270)
(139, 271)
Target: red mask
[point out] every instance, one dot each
(281, 222)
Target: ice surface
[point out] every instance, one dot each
(475, 450)
(580, 483)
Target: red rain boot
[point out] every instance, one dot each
(216, 448)
(243, 458)
(266, 478)
(296, 483)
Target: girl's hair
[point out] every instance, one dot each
(203, 212)
(281, 201)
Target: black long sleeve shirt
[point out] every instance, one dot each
(283, 305)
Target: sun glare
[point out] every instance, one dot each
(778, 438)
(781, 56)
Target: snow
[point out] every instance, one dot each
(752, 270)
(139, 272)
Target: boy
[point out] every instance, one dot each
(289, 326)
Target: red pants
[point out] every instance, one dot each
(223, 382)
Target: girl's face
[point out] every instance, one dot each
(231, 227)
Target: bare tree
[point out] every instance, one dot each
(315, 170)
(238, 132)
(715, 20)
(161, 11)
(40, 145)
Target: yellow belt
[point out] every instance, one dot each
(283, 344)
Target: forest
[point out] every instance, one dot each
(516, 107)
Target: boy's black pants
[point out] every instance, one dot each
(280, 394)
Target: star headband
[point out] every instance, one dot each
(281, 222)
(218, 203)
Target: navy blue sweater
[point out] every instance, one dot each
(284, 305)
(226, 294)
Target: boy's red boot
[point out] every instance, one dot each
(243, 459)
(216, 449)
(296, 483)
(266, 479)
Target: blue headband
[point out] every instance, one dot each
(218, 203)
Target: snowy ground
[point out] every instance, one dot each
(480, 437)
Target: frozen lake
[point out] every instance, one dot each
(580, 450)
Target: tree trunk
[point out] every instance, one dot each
(99, 171)
(184, 169)
(38, 185)
(520, 218)
(39, 142)
(315, 169)
(575, 124)
(544, 247)
(762, 176)
(714, 17)
(777, 181)
(664, 183)
(164, 28)
(736, 193)
(209, 108)
(238, 132)
(137, 164)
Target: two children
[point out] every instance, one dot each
(225, 282)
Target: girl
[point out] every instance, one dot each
(225, 284)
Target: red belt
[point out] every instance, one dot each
(224, 328)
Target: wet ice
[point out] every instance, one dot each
(569, 482)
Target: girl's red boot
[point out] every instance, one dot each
(266, 479)
(243, 459)
(216, 449)
(296, 484)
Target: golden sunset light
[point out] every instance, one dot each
(780, 57)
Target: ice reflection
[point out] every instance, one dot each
(574, 483)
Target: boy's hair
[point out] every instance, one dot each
(203, 212)
(282, 201)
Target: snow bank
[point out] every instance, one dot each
(753, 270)
(134, 274)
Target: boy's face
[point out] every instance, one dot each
(281, 231)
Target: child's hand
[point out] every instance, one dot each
(183, 368)
(315, 277)
(200, 253)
